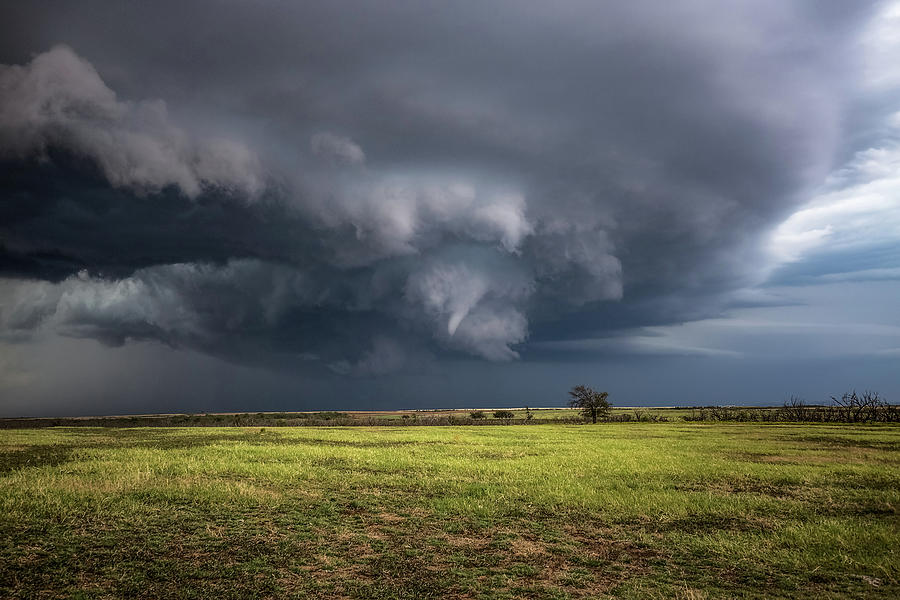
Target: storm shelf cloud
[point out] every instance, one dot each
(347, 197)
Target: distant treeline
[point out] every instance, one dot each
(197, 420)
(851, 407)
(317, 419)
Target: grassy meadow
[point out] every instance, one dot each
(622, 510)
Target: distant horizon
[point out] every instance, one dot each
(394, 411)
(343, 205)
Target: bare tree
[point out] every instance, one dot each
(593, 404)
(795, 409)
(855, 408)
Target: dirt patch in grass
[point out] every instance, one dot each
(386, 517)
(467, 542)
(528, 548)
(416, 557)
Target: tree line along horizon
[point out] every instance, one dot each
(594, 406)
(850, 407)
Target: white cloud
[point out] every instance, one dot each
(881, 42)
(860, 209)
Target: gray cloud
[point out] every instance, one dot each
(386, 355)
(362, 186)
(336, 148)
(58, 100)
(180, 303)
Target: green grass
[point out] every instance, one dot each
(629, 510)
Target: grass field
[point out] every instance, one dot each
(631, 510)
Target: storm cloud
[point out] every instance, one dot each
(58, 101)
(353, 190)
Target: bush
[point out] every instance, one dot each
(477, 414)
(504, 414)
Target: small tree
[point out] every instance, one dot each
(506, 415)
(477, 414)
(593, 405)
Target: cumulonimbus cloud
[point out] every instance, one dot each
(597, 169)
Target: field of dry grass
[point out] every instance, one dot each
(625, 510)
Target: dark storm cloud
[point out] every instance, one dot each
(352, 185)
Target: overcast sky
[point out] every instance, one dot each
(346, 205)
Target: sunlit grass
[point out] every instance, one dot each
(631, 510)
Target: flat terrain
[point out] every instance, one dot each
(631, 510)
(358, 417)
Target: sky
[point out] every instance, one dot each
(236, 206)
